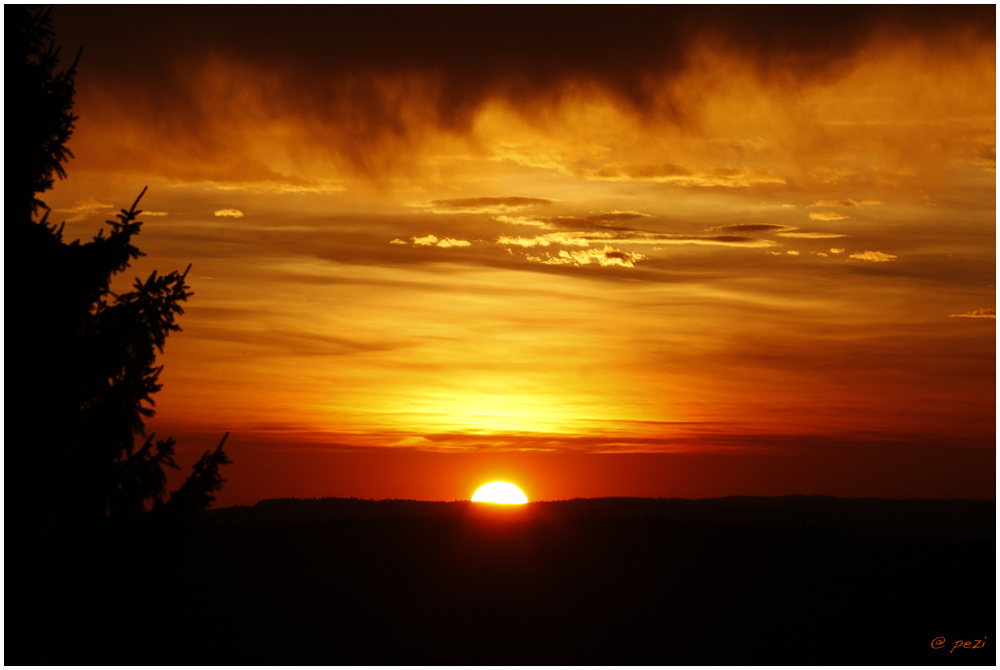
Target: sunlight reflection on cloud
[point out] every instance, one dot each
(873, 256)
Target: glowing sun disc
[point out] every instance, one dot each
(500, 492)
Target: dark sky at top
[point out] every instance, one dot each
(519, 52)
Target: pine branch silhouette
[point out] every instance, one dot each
(93, 352)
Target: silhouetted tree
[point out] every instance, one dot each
(84, 358)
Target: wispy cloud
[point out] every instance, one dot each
(605, 257)
(728, 176)
(452, 242)
(827, 216)
(229, 213)
(267, 184)
(485, 205)
(612, 220)
(86, 206)
(872, 256)
(566, 239)
(752, 228)
(777, 229)
(811, 235)
(988, 313)
(708, 240)
(523, 221)
(434, 241)
(582, 238)
(845, 202)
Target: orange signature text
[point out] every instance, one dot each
(941, 643)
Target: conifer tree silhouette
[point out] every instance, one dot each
(84, 361)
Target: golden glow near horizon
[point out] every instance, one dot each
(744, 254)
(500, 492)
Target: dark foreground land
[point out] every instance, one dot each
(796, 580)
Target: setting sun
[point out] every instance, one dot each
(500, 492)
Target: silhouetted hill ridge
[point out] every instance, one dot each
(797, 580)
(940, 519)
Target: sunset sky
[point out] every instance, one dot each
(648, 251)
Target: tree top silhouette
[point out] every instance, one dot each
(87, 389)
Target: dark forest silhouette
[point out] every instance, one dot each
(85, 368)
(801, 580)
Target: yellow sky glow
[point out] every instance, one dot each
(749, 252)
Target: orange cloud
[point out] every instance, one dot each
(988, 313)
(567, 239)
(433, 241)
(872, 256)
(483, 205)
(87, 206)
(451, 242)
(729, 176)
(811, 235)
(753, 228)
(845, 202)
(606, 257)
